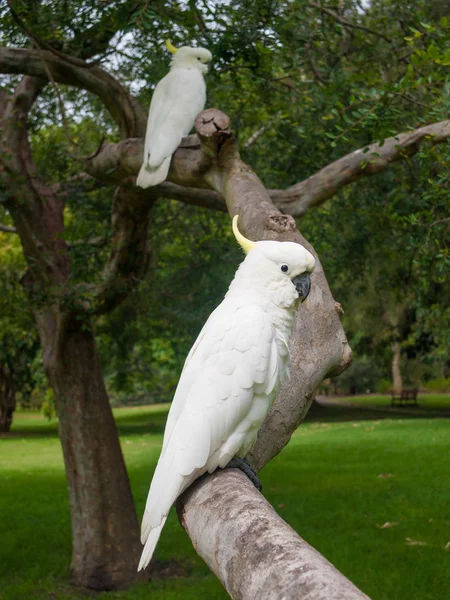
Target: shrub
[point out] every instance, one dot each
(438, 385)
(361, 377)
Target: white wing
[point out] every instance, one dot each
(225, 391)
(176, 101)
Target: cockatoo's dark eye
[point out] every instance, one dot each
(284, 268)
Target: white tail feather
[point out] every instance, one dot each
(164, 490)
(148, 177)
(150, 545)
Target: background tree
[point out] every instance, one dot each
(304, 83)
(18, 336)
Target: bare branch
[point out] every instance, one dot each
(7, 229)
(117, 163)
(129, 116)
(194, 196)
(413, 100)
(373, 159)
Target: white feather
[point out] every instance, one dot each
(150, 544)
(148, 177)
(229, 381)
(176, 101)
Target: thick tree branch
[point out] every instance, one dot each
(254, 553)
(194, 196)
(129, 116)
(301, 197)
(117, 162)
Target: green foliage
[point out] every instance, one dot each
(362, 376)
(384, 386)
(144, 343)
(18, 338)
(302, 88)
(383, 246)
(439, 385)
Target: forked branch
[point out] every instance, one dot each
(117, 162)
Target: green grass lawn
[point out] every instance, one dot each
(337, 484)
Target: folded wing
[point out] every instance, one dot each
(226, 388)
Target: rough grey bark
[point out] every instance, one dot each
(105, 528)
(254, 553)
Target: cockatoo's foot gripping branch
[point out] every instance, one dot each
(244, 465)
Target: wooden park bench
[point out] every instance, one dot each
(405, 398)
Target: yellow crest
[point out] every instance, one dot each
(243, 242)
(170, 47)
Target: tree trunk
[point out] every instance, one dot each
(105, 529)
(396, 368)
(7, 399)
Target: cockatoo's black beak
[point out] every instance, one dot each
(302, 285)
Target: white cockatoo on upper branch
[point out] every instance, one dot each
(231, 375)
(178, 98)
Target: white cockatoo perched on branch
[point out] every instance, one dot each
(178, 98)
(231, 375)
